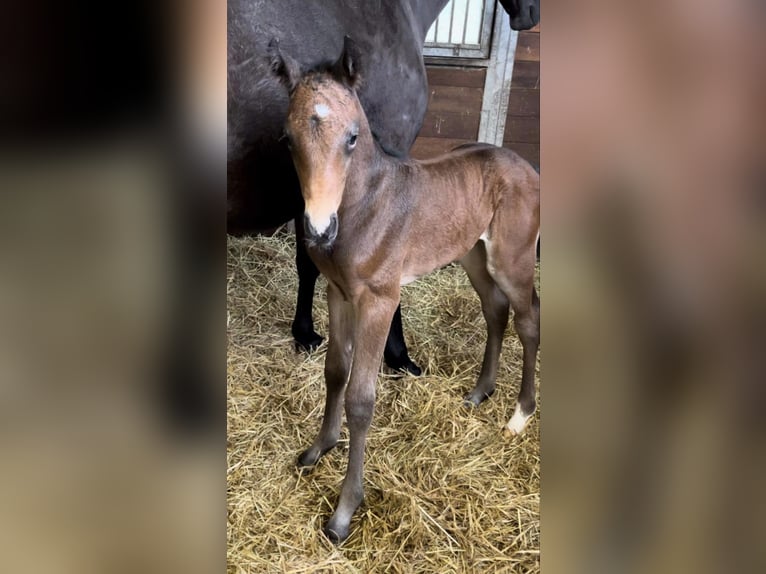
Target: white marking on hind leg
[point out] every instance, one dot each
(488, 248)
(518, 421)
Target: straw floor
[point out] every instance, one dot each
(445, 490)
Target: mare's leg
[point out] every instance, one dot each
(373, 318)
(303, 324)
(336, 370)
(395, 354)
(494, 306)
(511, 262)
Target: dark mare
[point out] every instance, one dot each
(374, 222)
(263, 190)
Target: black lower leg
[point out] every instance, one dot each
(303, 323)
(395, 354)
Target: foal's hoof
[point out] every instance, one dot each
(518, 422)
(404, 364)
(476, 397)
(308, 342)
(335, 534)
(309, 457)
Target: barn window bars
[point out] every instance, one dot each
(463, 29)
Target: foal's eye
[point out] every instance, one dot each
(351, 141)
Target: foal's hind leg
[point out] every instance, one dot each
(512, 264)
(336, 371)
(527, 324)
(494, 305)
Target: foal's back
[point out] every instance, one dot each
(513, 166)
(458, 195)
(491, 161)
(471, 173)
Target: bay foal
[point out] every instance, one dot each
(374, 222)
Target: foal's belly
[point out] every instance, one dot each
(427, 258)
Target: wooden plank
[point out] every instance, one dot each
(425, 148)
(454, 99)
(498, 85)
(522, 129)
(451, 76)
(463, 125)
(530, 152)
(524, 102)
(528, 47)
(526, 75)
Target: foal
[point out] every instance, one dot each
(374, 222)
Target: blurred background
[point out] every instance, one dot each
(653, 173)
(112, 289)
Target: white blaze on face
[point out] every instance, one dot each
(323, 200)
(322, 111)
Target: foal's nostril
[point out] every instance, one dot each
(308, 228)
(332, 230)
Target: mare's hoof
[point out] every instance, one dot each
(335, 534)
(308, 342)
(404, 364)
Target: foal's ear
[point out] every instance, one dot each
(283, 66)
(346, 68)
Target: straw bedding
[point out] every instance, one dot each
(446, 489)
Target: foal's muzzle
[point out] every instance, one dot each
(324, 239)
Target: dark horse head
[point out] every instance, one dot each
(524, 14)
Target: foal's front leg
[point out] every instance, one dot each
(337, 366)
(373, 317)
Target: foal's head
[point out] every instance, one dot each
(322, 128)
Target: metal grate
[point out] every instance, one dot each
(462, 30)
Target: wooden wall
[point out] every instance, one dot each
(522, 123)
(454, 109)
(454, 105)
